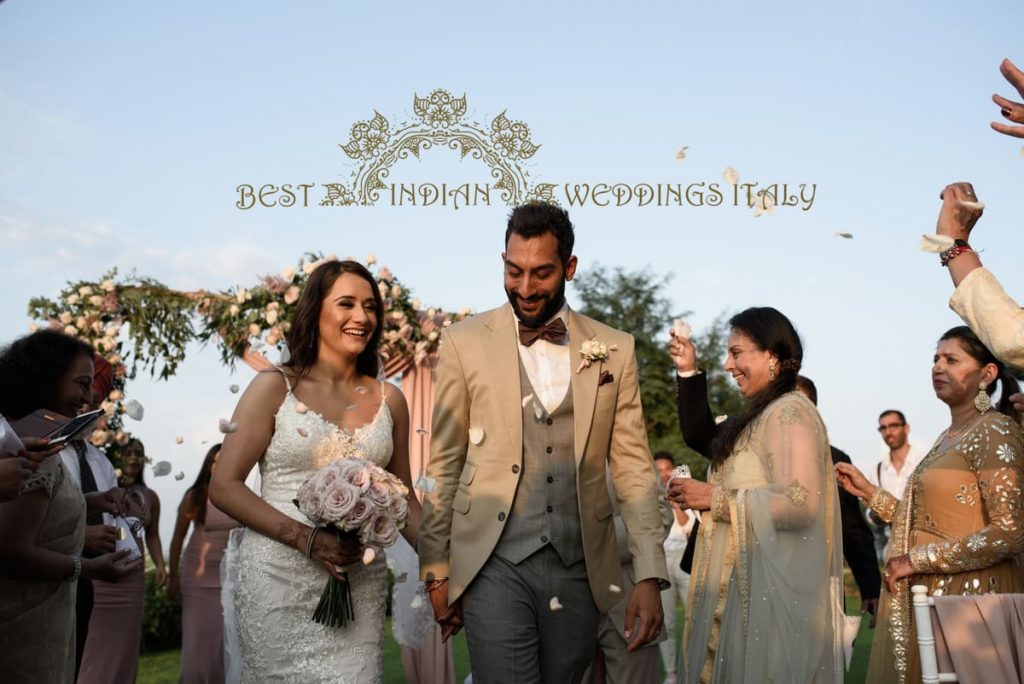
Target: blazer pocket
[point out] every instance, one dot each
(602, 509)
(461, 502)
(468, 473)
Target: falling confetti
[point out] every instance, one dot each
(179, 440)
(234, 389)
(368, 555)
(721, 419)
(681, 329)
(476, 435)
(615, 588)
(731, 175)
(161, 468)
(555, 604)
(179, 476)
(681, 154)
(422, 431)
(205, 441)
(302, 431)
(425, 484)
(527, 398)
(848, 236)
(538, 410)
(227, 427)
(300, 407)
(764, 204)
(134, 410)
(417, 602)
(936, 243)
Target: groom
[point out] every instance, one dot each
(518, 541)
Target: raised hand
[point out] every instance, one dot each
(1011, 111)
(683, 353)
(956, 219)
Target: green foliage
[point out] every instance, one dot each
(161, 619)
(632, 301)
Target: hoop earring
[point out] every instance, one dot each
(982, 402)
(772, 373)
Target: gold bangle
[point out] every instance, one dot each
(309, 542)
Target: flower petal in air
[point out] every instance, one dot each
(234, 389)
(300, 407)
(179, 440)
(134, 409)
(615, 588)
(425, 484)
(227, 427)
(302, 431)
(476, 435)
(161, 468)
(527, 398)
(538, 410)
(368, 555)
(681, 329)
(179, 476)
(681, 153)
(936, 243)
(422, 431)
(555, 604)
(848, 236)
(417, 602)
(731, 175)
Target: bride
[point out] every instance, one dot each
(290, 422)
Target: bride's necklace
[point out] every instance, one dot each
(956, 434)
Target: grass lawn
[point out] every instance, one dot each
(162, 668)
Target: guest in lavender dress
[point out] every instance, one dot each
(198, 581)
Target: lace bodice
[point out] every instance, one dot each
(305, 442)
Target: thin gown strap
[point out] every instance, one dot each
(284, 375)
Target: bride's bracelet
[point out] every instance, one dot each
(309, 542)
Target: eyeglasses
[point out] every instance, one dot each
(890, 426)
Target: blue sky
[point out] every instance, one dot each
(124, 130)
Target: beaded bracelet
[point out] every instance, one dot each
(77, 571)
(953, 252)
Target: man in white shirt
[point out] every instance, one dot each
(892, 473)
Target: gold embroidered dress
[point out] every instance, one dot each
(961, 520)
(766, 591)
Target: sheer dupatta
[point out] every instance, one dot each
(766, 594)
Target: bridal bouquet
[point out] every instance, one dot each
(352, 495)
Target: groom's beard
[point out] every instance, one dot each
(552, 304)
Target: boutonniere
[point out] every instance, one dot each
(592, 351)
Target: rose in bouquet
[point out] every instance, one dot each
(352, 495)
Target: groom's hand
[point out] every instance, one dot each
(643, 614)
(449, 617)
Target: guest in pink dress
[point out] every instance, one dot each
(202, 618)
(112, 648)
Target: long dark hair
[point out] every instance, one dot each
(773, 332)
(199, 492)
(122, 456)
(980, 353)
(32, 368)
(303, 337)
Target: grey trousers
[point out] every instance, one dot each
(513, 635)
(642, 666)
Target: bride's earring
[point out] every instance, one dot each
(982, 402)
(772, 366)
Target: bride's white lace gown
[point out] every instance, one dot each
(278, 587)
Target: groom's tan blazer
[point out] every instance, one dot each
(476, 453)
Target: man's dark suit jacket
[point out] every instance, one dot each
(698, 428)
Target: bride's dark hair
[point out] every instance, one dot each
(304, 337)
(770, 331)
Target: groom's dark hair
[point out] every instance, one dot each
(533, 219)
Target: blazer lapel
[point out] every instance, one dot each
(584, 383)
(502, 349)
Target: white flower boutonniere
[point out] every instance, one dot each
(592, 351)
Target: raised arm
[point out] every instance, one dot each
(695, 420)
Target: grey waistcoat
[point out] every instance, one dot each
(545, 509)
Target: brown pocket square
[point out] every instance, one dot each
(605, 378)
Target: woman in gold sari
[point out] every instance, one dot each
(765, 590)
(960, 521)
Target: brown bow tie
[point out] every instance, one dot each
(552, 332)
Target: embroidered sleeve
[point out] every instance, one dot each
(720, 500)
(883, 503)
(996, 455)
(796, 460)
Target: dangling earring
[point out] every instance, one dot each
(982, 402)
(772, 364)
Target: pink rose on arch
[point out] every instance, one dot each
(340, 501)
(382, 531)
(358, 516)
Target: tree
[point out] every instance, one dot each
(632, 301)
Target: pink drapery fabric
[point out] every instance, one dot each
(981, 638)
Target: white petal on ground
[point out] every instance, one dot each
(179, 476)
(848, 236)
(234, 389)
(681, 154)
(134, 410)
(425, 484)
(681, 329)
(731, 175)
(555, 604)
(527, 398)
(300, 407)
(936, 243)
(476, 435)
(161, 468)
(615, 588)
(179, 440)
(368, 555)
(302, 431)
(227, 427)
(972, 205)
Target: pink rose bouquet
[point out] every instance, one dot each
(352, 495)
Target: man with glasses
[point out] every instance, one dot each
(893, 472)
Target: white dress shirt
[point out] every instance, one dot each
(895, 481)
(102, 468)
(548, 365)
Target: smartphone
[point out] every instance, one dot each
(80, 425)
(41, 423)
